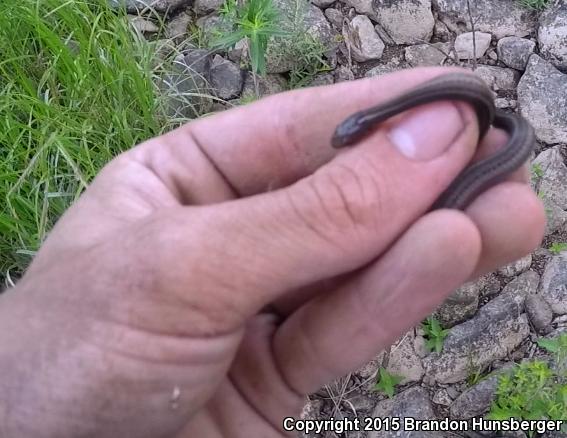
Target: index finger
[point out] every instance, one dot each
(268, 144)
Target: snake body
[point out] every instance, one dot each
(479, 176)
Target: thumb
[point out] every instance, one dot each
(244, 254)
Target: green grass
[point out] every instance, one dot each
(535, 4)
(76, 89)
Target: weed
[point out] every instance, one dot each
(387, 382)
(254, 20)
(537, 171)
(558, 247)
(434, 334)
(534, 390)
(557, 346)
(309, 52)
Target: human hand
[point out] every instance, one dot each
(209, 279)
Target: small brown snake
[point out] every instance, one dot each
(479, 176)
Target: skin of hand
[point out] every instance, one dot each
(210, 278)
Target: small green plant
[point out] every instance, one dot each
(557, 346)
(534, 390)
(537, 171)
(475, 377)
(434, 334)
(254, 20)
(387, 382)
(310, 53)
(535, 4)
(558, 247)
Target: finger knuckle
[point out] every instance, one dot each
(351, 200)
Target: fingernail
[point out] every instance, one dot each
(427, 132)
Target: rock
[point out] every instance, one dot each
(404, 361)
(368, 373)
(465, 48)
(523, 285)
(267, 85)
(552, 183)
(211, 26)
(176, 28)
(553, 285)
(343, 73)
(453, 392)
(359, 402)
(363, 7)
(226, 78)
(552, 34)
(553, 434)
(412, 403)
(158, 5)
(311, 410)
(383, 69)
(441, 31)
(384, 35)
(542, 99)
(555, 215)
(495, 331)
(406, 21)
(427, 54)
(198, 61)
(540, 313)
(364, 42)
(560, 320)
(297, 16)
(515, 52)
(498, 78)
(442, 397)
(503, 103)
(490, 286)
(189, 76)
(475, 400)
(322, 79)
(517, 267)
(323, 3)
(142, 24)
(239, 50)
(419, 344)
(501, 18)
(335, 17)
(370, 369)
(203, 7)
(460, 305)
